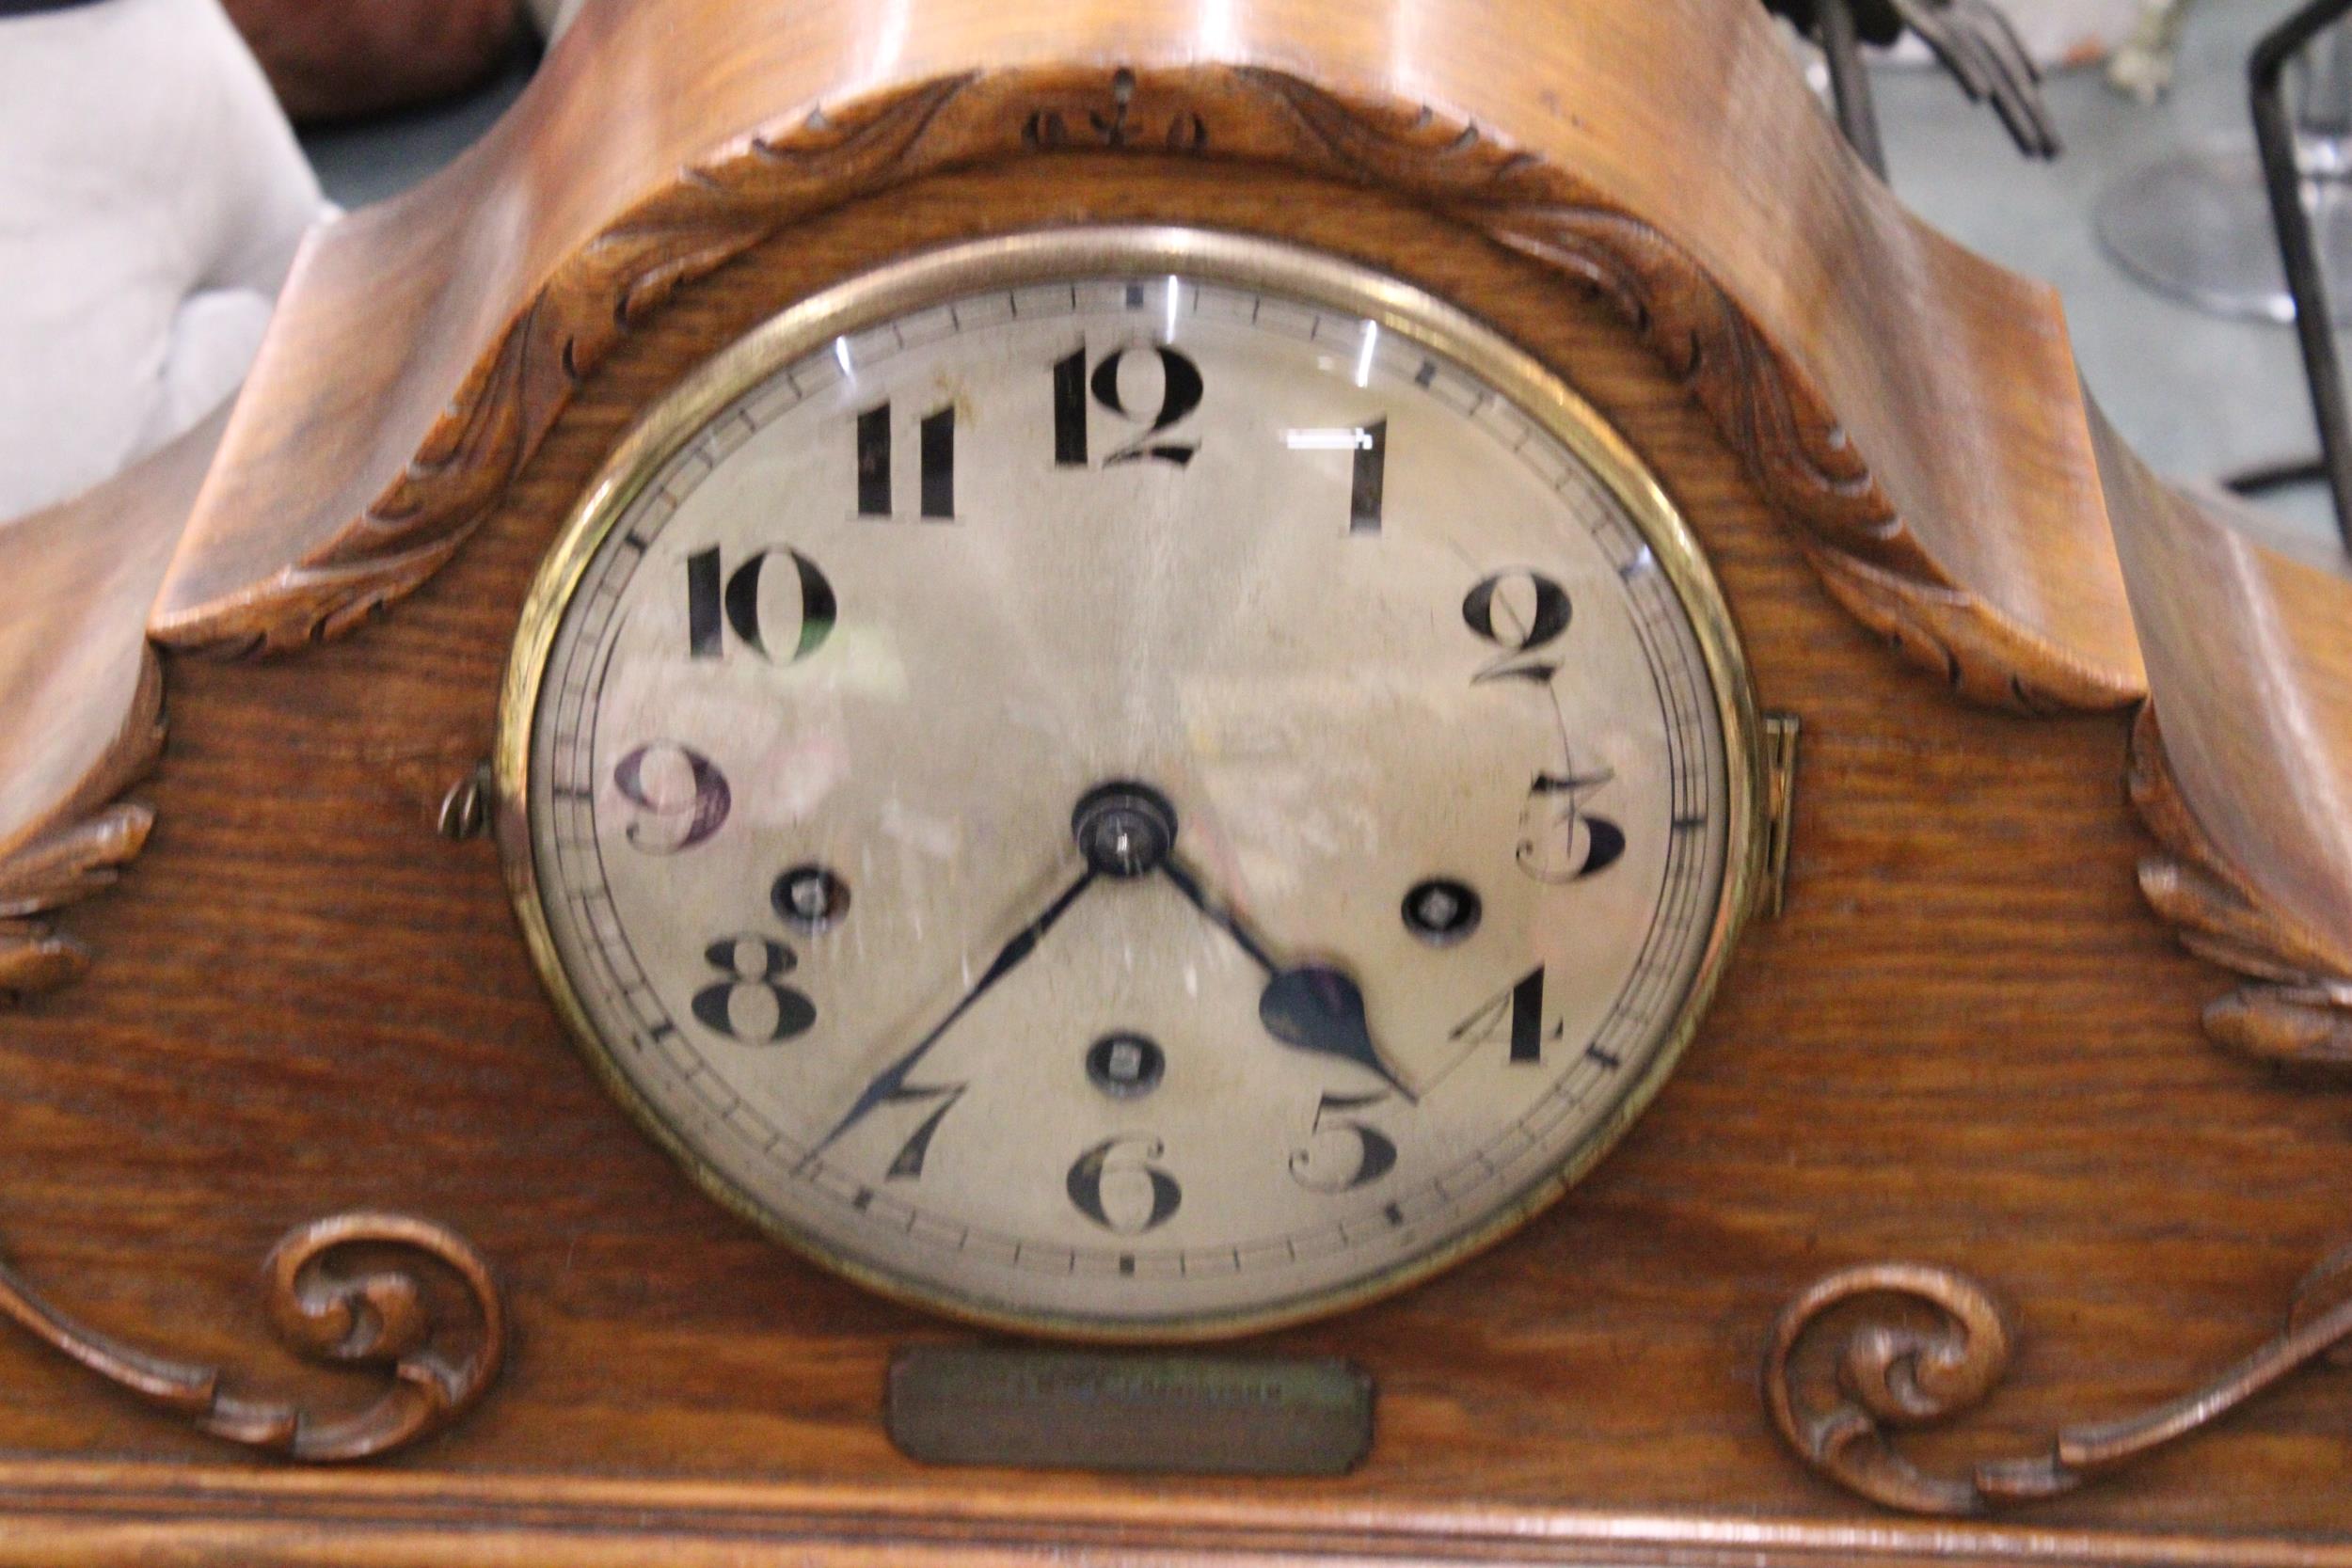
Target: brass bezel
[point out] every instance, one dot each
(1142, 251)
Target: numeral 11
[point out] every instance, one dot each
(936, 436)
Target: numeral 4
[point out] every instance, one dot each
(1516, 1015)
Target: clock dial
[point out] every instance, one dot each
(1130, 803)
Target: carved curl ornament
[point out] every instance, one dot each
(335, 1295)
(1868, 1352)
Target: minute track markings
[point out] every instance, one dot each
(1510, 1150)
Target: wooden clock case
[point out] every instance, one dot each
(1975, 1039)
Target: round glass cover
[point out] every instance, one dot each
(1130, 782)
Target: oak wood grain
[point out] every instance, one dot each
(1967, 1040)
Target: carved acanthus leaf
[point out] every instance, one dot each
(622, 277)
(1868, 1352)
(2299, 1007)
(82, 855)
(1768, 411)
(1794, 448)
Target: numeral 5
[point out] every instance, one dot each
(1375, 1153)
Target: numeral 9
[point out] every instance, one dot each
(677, 790)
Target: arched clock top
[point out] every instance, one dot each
(1911, 410)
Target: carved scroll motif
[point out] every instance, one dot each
(1799, 454)
(325, 1308)
(618, 280)
(1795, 449)
(81, 856)
(1869, 1352)
(2298, 1005)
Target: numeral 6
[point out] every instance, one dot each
(1124, 1192)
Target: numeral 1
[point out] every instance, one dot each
(936, 441)
(1372, 478)
(1070, 410)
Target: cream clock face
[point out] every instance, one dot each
(1130, 802)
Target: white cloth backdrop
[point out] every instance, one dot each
(152, 196)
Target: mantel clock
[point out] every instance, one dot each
(899, 710)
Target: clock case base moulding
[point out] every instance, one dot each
(1967, 1039)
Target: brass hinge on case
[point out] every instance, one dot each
(1780, 810)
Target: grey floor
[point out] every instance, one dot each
(2199, 395)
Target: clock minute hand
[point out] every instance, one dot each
(1312, 1007)
(888, 1084)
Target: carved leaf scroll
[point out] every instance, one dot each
(1867, 1352)
(333, 1297)
(79, 856)
(1793, 446)
(2296, 1008)
(625, 274)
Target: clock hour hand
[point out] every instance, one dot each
(891, 1080)
(1316, 1008)
(1311, 1007)
(1220, 915)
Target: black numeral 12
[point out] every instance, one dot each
(1181, 391)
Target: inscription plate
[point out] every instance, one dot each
(1074, 1410)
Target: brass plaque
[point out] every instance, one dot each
(1076, 1410)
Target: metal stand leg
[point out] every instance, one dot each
(1849, 82)
(2199, 226)
(2286, 176)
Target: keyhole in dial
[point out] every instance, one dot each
(1125, 1066)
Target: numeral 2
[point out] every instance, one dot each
(1521, 636)
(1180, 391)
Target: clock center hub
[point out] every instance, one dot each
(1125, 830)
